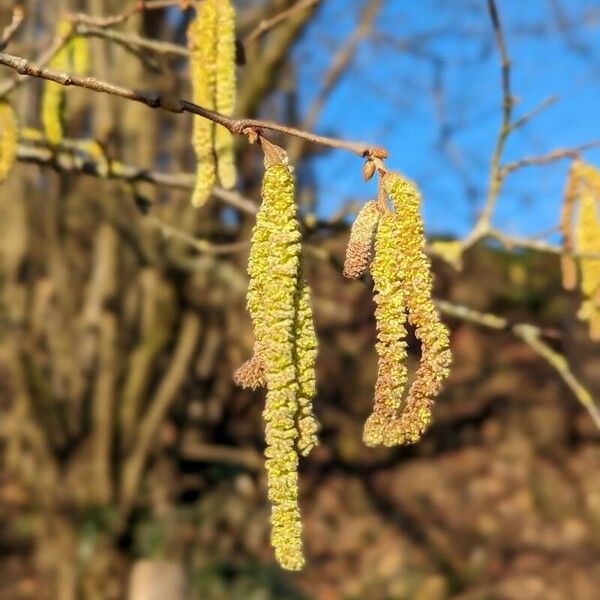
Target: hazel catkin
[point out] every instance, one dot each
(225, 92)
(415, 273)
(8, 139)
(360, 243)
(273, 267)
(202, 43)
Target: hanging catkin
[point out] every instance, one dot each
(360, 244)
(390, 315)
(211, 40)
(225, 92)
(202, 42)
(273, 267)
(72, 57)
(415, 273)
(8, 138)
(587, 240)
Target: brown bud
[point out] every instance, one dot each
(368, 170)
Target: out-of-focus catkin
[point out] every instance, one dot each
(567, 262)
(225, 92)
(273, 267)
(415, 273)
(202, 43)
(360, 243)
(587, 240)
(8, 138)
(53, 96)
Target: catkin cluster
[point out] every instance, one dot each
(403, 286)
(583, 190)
(284, 355)
(211, 41)
(73, 56)
(8, 138)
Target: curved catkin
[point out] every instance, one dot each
(360, 244)
(305, 358)
(587, 240)
(225, 92)
(80, 52)
(390, 314)
(415, 273)
(53, 95)
(8, 139)
(202, 42)
(273, 267)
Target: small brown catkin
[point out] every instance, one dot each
(360, 245)
(251, 375)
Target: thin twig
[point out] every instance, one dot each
(267, 24)
(532, 336)
(177, 105)
(543, 105)
(12, 28)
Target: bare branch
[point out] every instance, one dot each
(12, 28)
(177, 105)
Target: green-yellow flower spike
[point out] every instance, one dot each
(360, 244)
(306, 355)
(587, 241)
(415, 272)
(273, 267)
(390, 314)
(202, 42)
(8, 138)
(225, 91)
(80, 50)
(53, 96)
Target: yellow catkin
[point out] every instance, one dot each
(587, 240)
(273, 267)
(567, 262)
(80, 52)
(53, 96)
(415, 272)
(360, 243)
(306, 354)
(390, 314)
(8, 138)
(225, 92)
(202, 42)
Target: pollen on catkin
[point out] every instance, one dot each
(8, 138)
(360, 243)
(225, 92)
(390, 315)
(587, 240)
(202, 43)
(273, 267)
(415, 273)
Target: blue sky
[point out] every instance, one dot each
(386, 98)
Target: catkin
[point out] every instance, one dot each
(567, 262)
(251, 375)
(202, 42)
(305, 357)
(225, 92)
(53, 95)
(415, 273)
(390, 314)
(587, 239)
(8, 138)
(360, 243)
(273, 267)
